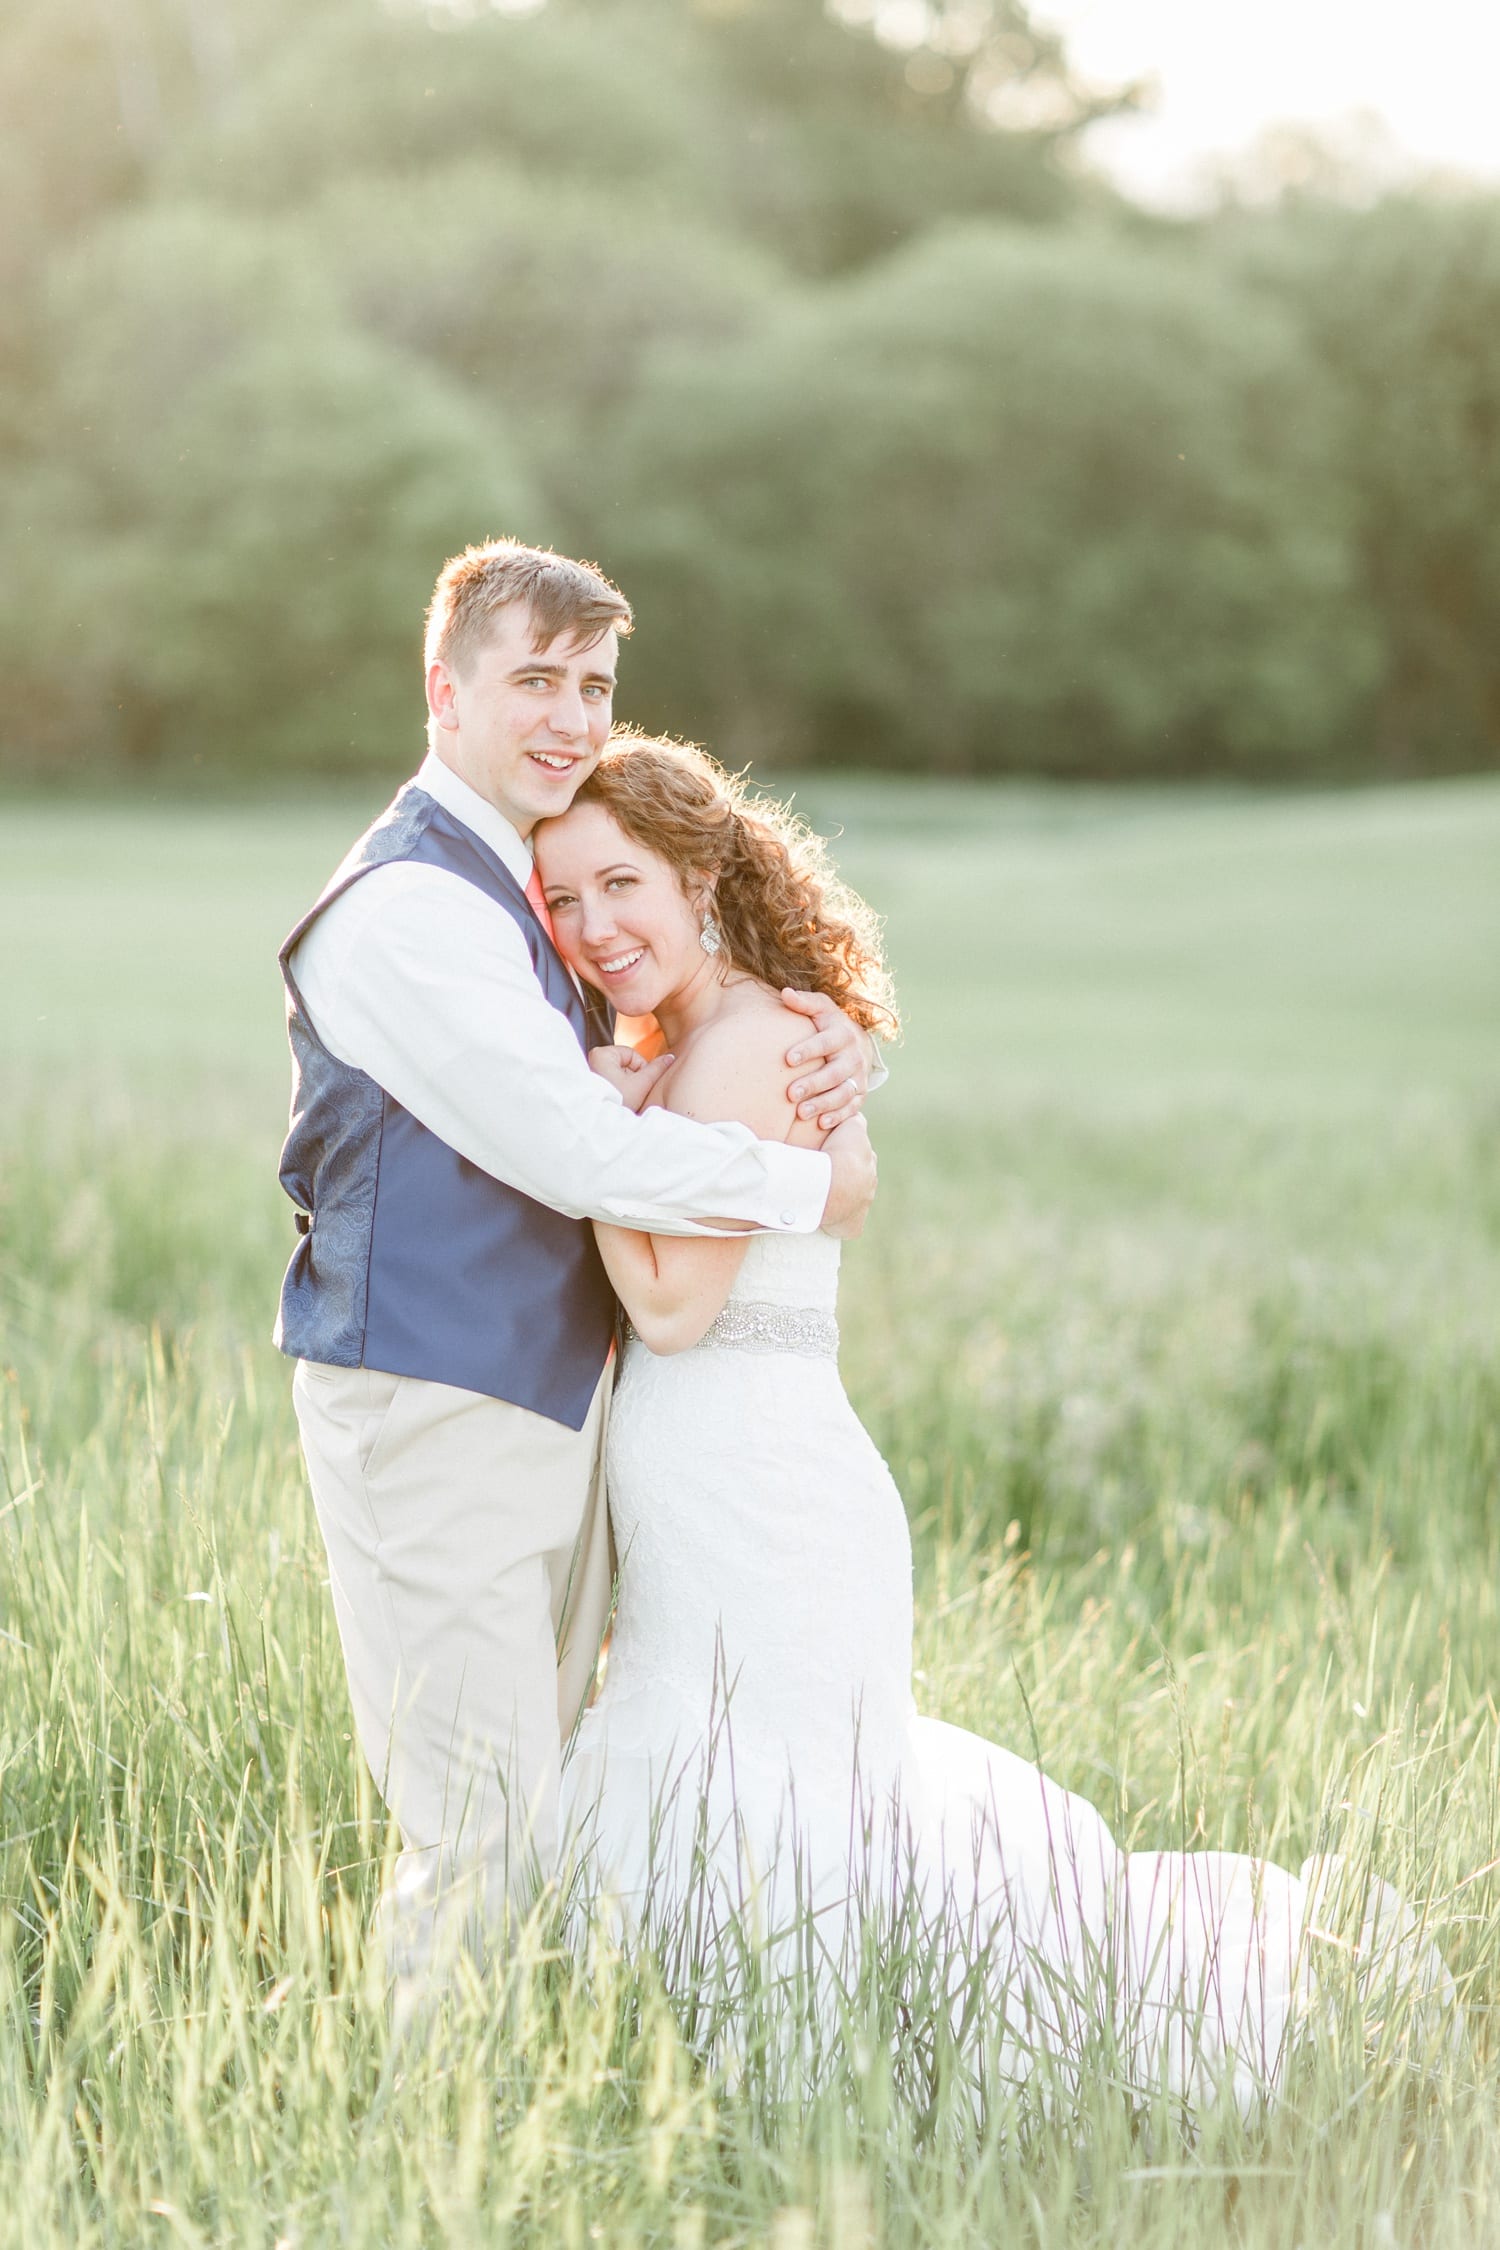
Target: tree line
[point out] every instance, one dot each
(911, 443)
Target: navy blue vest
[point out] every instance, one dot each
(411, 1259)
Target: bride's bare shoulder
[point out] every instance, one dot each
(736, 1069)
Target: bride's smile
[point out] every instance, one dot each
(624, 922)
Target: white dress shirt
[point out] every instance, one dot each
(418, 979)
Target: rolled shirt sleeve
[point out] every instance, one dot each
(416, 978)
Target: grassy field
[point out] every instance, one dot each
(1177, 1322)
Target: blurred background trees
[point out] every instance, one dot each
(911, 443)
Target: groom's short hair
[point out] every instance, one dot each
(563, 597)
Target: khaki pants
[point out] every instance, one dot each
(468, 1552)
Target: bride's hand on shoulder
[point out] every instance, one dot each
(632, 1075)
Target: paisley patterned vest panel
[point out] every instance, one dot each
(409, 1258)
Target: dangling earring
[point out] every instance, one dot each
(710, 936)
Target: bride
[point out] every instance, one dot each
(754, 1760)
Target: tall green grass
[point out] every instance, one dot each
(1187, 1373)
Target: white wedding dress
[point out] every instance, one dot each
(754, 1760)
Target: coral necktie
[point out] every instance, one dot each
(537, 903)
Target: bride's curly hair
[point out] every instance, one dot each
(786, 917)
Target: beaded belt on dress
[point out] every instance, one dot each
(747, 1325)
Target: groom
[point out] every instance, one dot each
(451, 1319)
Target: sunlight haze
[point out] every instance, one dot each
(1222, 75)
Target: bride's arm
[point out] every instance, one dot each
(673, 1286)
(671, 1300)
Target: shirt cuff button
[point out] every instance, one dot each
(789, 1218)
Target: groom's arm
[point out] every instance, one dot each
(838, 1062)
(419, 980)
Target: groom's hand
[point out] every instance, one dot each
(853, 1188)
(834, 1063)
(631, 1075)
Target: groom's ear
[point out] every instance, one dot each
(441, 688)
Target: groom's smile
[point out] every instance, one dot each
(521, 722)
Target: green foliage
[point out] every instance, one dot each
(393, 93)
(226, 482)
(541, 297)
(1011, 500)
(837, 147)
(60, 163)
(775, 119)
(1402, 308)
(806, 320)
